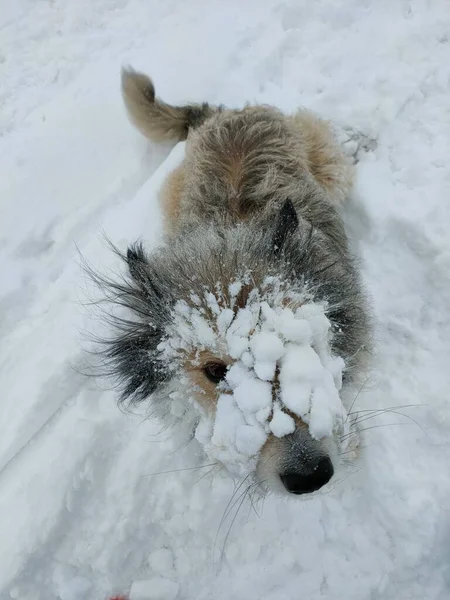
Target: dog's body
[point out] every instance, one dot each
(252, 220)
(241, 162)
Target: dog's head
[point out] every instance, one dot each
(253, 328)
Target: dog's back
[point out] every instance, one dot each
(239, 163)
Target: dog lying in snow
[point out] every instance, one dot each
(251, 315)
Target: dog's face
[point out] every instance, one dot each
(226, 328)
(255, 362)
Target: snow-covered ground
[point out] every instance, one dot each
(82, 514)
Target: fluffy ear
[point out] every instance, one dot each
(136, 261)
(286, 224)
(142, 273)
(131, 355)
(132, 361)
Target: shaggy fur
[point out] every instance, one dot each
(258, 192)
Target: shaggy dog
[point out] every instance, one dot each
(251, 315)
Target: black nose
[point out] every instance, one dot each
(301, 483)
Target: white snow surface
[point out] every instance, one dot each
(92, 500)
(154, 589)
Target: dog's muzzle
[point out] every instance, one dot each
(305, 483)
(305, 465)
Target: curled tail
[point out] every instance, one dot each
(155, 119)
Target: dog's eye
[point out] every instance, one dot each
(215, 372)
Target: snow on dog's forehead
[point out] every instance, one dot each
(276, 336)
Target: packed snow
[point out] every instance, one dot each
(154, 589)
(95, 502)
(278, 336)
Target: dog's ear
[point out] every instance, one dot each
(133, 363)
(131, 355)
(136, 261)
(142, 273)
(286, 224)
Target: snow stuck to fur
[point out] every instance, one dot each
(282, 366)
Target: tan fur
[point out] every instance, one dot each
(325, 159)
(154, 118)
(205, 390)
(170, 197)
(237, 170)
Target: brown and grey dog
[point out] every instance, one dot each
(255, 200)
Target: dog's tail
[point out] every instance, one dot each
(155, 119)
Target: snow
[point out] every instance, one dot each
(156, 588)
(281, 424)
(265, 370)
(309, 377)
(266, 347)
(253, 395)
(161, 562)
(88, 495)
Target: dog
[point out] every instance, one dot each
(250, 319)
